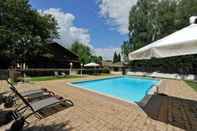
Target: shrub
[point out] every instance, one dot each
(105, 70)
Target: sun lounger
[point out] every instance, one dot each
(36, 106)
(59, 74)
(116, 72)
(130, 73)
(63, 74)
(163, 75)
(35, 94)
(136, 73)
(190, 77)
(56, 74)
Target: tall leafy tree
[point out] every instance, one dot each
(99, 59)
(116, 57)
(96, 59)
(119, 58)
(23, 31)
(125, 49)
(151, 20)
(83, 51)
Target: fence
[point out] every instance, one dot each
(19, 74)
(16, 74)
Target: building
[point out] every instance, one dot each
(56, 56)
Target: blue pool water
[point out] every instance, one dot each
(126, 88)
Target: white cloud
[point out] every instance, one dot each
(68, 32)
(106, 53)
(117, 12)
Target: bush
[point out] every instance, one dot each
(92, 71)
(33, 73)
(105, 70)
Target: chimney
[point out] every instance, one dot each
(193, 20)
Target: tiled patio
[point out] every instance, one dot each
(94, 112)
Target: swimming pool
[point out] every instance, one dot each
(131, 89)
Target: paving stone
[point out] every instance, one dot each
(95, 112)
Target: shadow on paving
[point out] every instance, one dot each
(6, 117)
(53, 127)
(175, 111)
(54, 109)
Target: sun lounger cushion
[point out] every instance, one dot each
(30, 92)
(44, 103)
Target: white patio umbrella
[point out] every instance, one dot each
(92, 65)
(182, 42)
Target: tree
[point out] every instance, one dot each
(151, 20)
(100, 59)
(115, 57)
(125, 49)
(119, 58)
(23, 31)
(96, 59)
(83, 51)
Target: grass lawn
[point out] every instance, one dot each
(46, 78)
(192, 84)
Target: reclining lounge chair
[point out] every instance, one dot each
(37, 106)
(35, 94)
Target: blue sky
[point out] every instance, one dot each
(94, 22)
